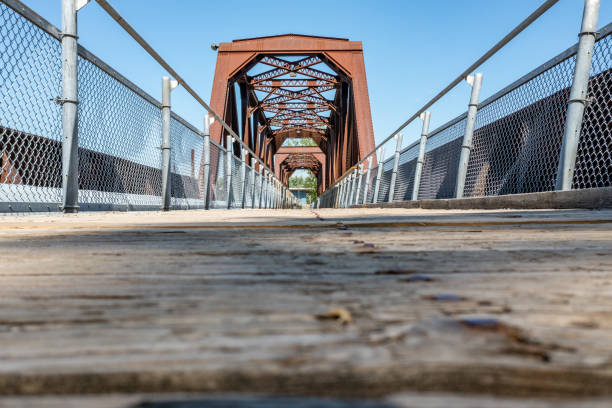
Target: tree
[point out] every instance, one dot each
(309, 181)
(305, 141)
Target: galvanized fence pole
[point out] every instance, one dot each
(366, 186)
(277, 193)
(274, 193)
(353, 188)
(476, 82)
(398, 148)
(206, 162)
(349, 190)
(360, 175)
(253, 178)
(261, 187)
(341, 191)
(270, 190)
(578, 95)
(69, 102)
(264, 186)
(418, 171)
(243, 176)
(337, 195)
(381, 160)
(266, 189)
(229, 154)
(166, 145)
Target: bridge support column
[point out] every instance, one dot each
(418, 171)
(69, 102)
(166, 145)
(578, 95)
(381, 155)
(206, 162)
(476, 82)
(398, 148)
(366, 187)
(228, 169)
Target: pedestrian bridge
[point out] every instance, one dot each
(77, 135)
(475, 261)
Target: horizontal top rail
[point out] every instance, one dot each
(568, 53)
(509, 37)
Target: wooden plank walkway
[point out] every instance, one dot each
(360, 303)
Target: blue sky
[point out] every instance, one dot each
(412, 48)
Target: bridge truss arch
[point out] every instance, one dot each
(291, 86)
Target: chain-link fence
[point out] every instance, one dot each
(119, 132)
(517, 138)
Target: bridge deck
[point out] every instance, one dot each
(507, 302)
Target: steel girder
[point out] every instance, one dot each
(296, 86)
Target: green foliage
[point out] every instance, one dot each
(309, 181)
(300, 142)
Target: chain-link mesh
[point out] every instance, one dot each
(594, 159)
(237, 183)
(30, 121)
(119, 129)
(371, 185)
(517, 137)
(439, 174)
(385, 181)
(218, 196)
(186, 165)
(119, 140)
(248, 188)
(405, 173)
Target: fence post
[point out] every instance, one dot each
(276, 193)
(418, 171)
(243, 175)
(366, 186)
(69, 102)
(578, 96)
(253, 178)
(228, 169)
(476, 82)
(206, 162)
(343, 185)
(381, 161)
(338, 195)
(266, 189)
(349, 190)
(398, 148)
(261, 186)
(360, 175)
(270, 190)
(166, 145)
(354, 187)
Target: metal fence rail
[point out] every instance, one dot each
(517, 138)
(119, 132)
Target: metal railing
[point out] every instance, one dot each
(84, 137)
(543, 132)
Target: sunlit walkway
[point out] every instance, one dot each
(291, 301)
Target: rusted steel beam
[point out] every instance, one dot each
(321, 95)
